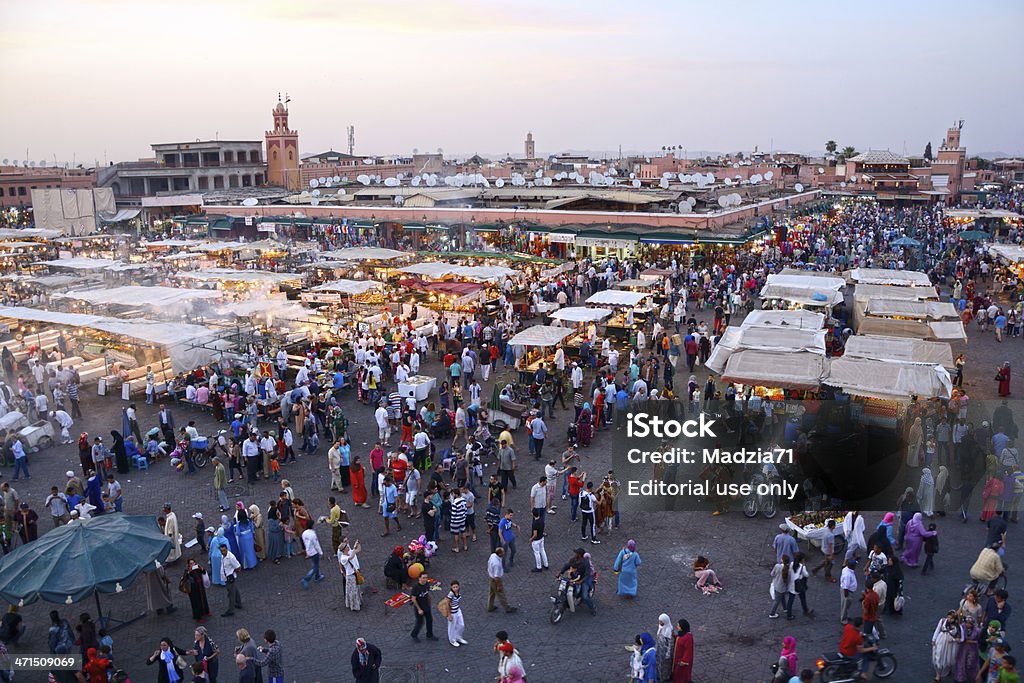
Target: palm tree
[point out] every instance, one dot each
(831, 146)
(848, 153)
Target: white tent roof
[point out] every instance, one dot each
(888, 379)
(818, 281)
(799, 319)
(1007, 252)
(807, 296)
(623, 284)
(140, 296)
(483, 273)
(933, 310)
(885, 276)
(788, 340)
(615, 297)
(173, 243)
(865, 292)
(80, 263)
(580, 314)
(232, 275)
(364, 254)
(26, 233)
(261, 245)
(540, 335)
(430, 269)
(800, 370)
(948, 329)
(349, 287)
(899, 349)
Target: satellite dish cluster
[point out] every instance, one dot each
(686, 206)
(727, 201)
(799, 187)
(26, 163)
(250, 201)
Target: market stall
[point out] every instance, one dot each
(775, 340)
(799, 319)
(899, 350)
(888, 380)
(887, 276)
(584, 323)
(621, 325)
(774, 370)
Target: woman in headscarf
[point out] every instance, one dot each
(916, 533)
(217, 403)
(193, 578)
(120, 454)
(1003, 377)
(229, 534)
(926, 492)
(357, 476)
(585, 426)
(259, 530)
(626, 564)
(787, 660)
(885, 527)
(167, 658)
(664, 642)
(648, 658)
(941, 490)
(94, 493)
(682, 654)
(515, 675)
(945, 641)
(991, 494)
(215, 543)
(967, 664)
(275, 535)
(908, 505)
(246, 538)
(914, 440)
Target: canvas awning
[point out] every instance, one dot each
(364, 254)
(1010, 253)
(540, 335)
(885, 276)
(775, 339)
(80, 263)
(805, 296)
(140, 296)
(867, 292)
(799, 319)
(121, 215)
(801, 370)
(815, 281)
(348, 287)
(899, 350)
(232, 275)
(889, 380)
(617, 297)
(581, 314)
(919, 310)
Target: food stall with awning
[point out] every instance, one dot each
(774, 339)
(899, 349)
(887, 276)
(584, 323)
(793, 291)
(621, 325)
(770, 370)
(538, 344)
(884, 388)
(798, 319)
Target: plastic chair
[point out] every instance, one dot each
(141, 463)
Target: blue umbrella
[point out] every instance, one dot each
(68, 564)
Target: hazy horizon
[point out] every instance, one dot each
(104, 79)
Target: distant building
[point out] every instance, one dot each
(186, 167)
(16, 184)
(530, 147)
(283, 151)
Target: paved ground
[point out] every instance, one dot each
(734, 639)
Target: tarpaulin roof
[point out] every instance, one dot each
(232, 275)
(807, 296)
(616, 297)
(948, 329)
(888, 379)
(173, 243)
(261, 245)
(350, 287)
(540, 335)
(364, 254)
(430, 269)
(808, 280)
(865, 292)
(902, 308)
(1007, 252)
(799, 319)
(800, 370)
(140, 296)
(782, 340)
(885, 276)
(121, 215)
(439, 270)
(580, 314)
(27, 233)
(80, 263)
(73, 561)
(637, 282)
(899, 349)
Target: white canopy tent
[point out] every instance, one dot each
(899, 349)
(28, 233)
(348, 287)
(885, 276)
(891, 380)
(801, 370)
(433, 269)
(616, 297)
(581, 314)
(810, 281)
(915, 310)
(798, 319)
(867, 292)
(232, 275)
(139, 296)
(540, 335)
(364, 254)
(1011, 253)
(805, 296)
(80, 263)
(772, 339)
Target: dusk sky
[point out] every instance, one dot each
(103, 79)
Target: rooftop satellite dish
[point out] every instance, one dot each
(547, 182)
(415, 181)
(632, 176)
(32, 164)
(42, 164)
(842, 184)
(250, 201)
(392, 182)
(711, 177)
(728, 181)
(769, 175)
(313, 182)
(684, 207)
(579, 180)
(364, 179)
(323, 181)
(736, 165)
(315, 201)
(821, 171)
(663, 184)
(305, 193)
(723, 201)
(853, 179)
(368, 162)
(613, 171)
(529, 184)
(399, 199)
(341, 191)
(337, 179)
(692, 201)
(6, 161)
(432, 181)
(667, 174)
(635, 183)
(344, 178)
(799, 187)
(538, 174)
(316, 193)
